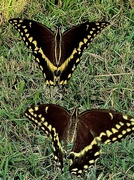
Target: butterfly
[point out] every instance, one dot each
(57, 54)
(85, 131)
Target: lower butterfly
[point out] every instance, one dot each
(85, 131)
(57, 54)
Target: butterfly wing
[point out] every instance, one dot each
(53, 120)
(74, 41)
(104, 126)
(41, 40)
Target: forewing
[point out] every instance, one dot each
(74, 41)
(53, 120)
(40, 40)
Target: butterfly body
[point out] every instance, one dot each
(57, 54)
(85, 131)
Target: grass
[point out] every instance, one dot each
(103, 79)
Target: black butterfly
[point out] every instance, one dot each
(85, 131)
(57, 54)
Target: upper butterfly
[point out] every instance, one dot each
(57, 54)
(85, 131)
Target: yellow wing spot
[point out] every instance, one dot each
(114, 130)
(128, 129)
(73, 68)
(20, 21)
(14, 21)
(35, 120)
(121, 123)
(27, 35)
(69, 76)
(104, 24)
(47, 82)
(107, 141)
(21, 33)
(91, 32)
(23, 27)
(124, 132)
(88, 36)
(102, 134)
(80, 171)
(40, 115)
(24, 38)
(111, 115)
(77, 60)
(97, 153)
(132, 128)
(80, 44)
(36, 49)
(32, 113)
(26, 43)
(51, 82)
(30, 24)
(44, 129)
(87, 27)
(98, 138)
(30, 110)
(42, 119)
(18, 25)
(25, 30)
(109, 133)
(114, 139)
(41, 67)
(92, 161)
(30, 39)
(120, 136)
(94, 35)
(35, 115)
(45, 123)
(46, 109)
(55, 157)
(93, 29)
(36, 108)
(65, 82)
(54, 130)
(85, 40)
(49, 127)
(44, 75)
(128, 124)
(125, 117)
(61, 82)
(79, 50)
(86, 166)
(97, 23)
(75, 169)
(39, 123)
(37, 59)
(117, 126)
(35, 43)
